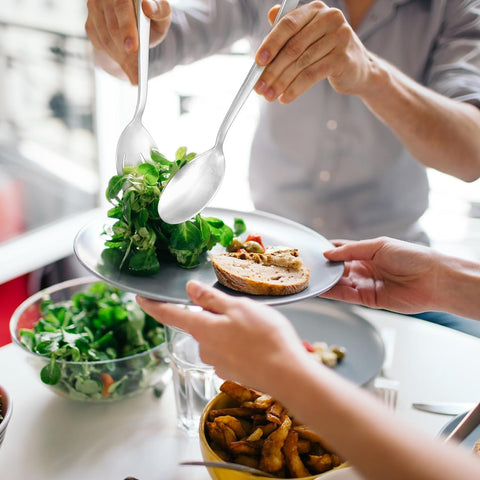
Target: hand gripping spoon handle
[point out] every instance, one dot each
(250, 81)
(195, 184)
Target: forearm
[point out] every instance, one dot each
(364, 432)
(440, 132)
(458, 287)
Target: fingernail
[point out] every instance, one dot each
(263, 57)
(270, 95)
(153, 6)
(128, 44)
(260, 86)
(194, 289)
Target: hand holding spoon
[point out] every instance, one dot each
(195, 184)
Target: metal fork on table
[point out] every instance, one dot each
(384, 386)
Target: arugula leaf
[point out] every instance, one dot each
(114, 187)
(239, 226)
(143, 262)
(140, 239)
(50, 373)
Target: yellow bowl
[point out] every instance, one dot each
(224, 401)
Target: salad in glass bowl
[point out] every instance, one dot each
(91, 341)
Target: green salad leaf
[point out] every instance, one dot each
(98, 324)
(139, 238)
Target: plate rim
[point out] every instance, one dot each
(450, 425)
(274, 300)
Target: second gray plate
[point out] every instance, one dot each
(321, 320)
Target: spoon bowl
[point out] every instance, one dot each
(194, 185)
(135, 143)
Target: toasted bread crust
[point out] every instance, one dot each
(277, 273)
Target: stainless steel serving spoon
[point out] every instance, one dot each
(135, 143)
(195, 184)
(229, 466)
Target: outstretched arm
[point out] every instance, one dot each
(257, 346)
(405, 278)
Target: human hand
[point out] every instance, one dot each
(111, 26)
(244, 340)
(387, 273)
(311, 43)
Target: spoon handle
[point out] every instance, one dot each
(250, 80)
(143, 25)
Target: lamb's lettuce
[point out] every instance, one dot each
(139, 238)
(94, 326)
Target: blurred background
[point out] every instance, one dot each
(60, 119)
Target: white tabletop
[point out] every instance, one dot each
(52, 438)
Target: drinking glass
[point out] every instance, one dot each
(195, 383)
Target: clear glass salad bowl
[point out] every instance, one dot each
(69, 373)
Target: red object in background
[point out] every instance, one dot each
(15, 291)
(12, 219)
(12, 294)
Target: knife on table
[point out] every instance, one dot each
(466, 426)
(444, 408)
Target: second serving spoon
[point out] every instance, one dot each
(195, 184)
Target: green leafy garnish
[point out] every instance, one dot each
(139, 238)
(99, 324)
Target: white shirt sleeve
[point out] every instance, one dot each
(455, 59)
(204, 27)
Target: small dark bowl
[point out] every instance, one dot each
(6, 412)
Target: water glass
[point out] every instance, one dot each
(195, 383)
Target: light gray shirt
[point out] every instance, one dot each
(325, 160)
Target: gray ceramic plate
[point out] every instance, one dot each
(169, 283)
(448, 428)
(317, 319)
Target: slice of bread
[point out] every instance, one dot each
(275, 272)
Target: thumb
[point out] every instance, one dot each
(156, 10)
(361, 250)
(209, 298)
